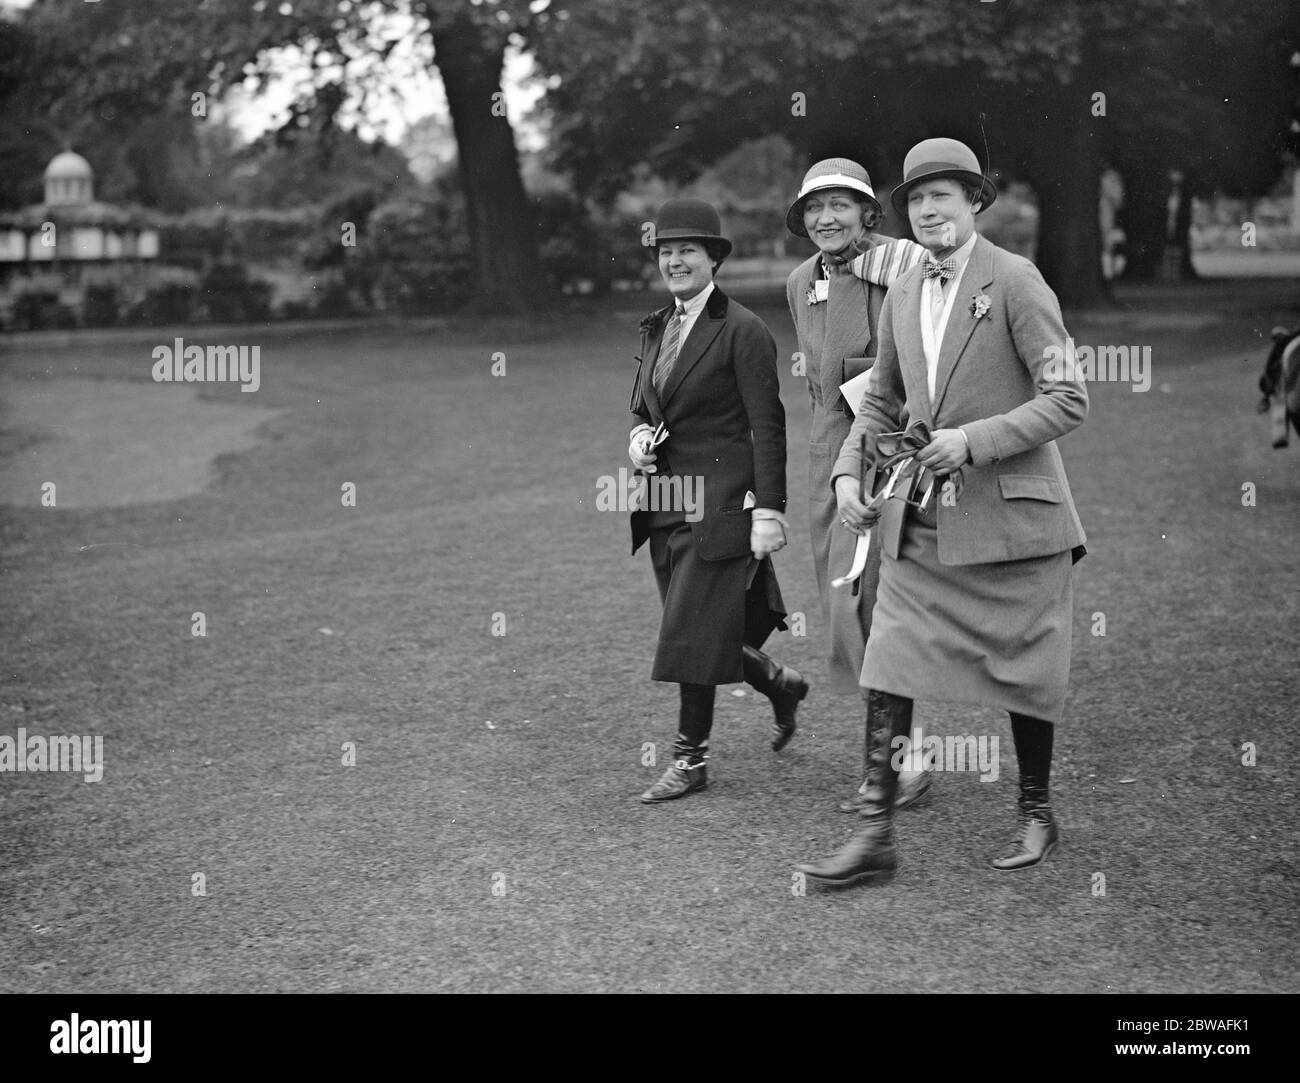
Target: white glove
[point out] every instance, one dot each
(766, 533)
(638, 450)
(765, 537)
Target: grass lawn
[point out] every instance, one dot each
(488, 837)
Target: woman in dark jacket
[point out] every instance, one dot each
(709, 432)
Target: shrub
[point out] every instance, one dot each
(36, 305)
(102, 305)
(224, 234)
(168, 297)
(415, 255)
(231, 296)
(42, 312)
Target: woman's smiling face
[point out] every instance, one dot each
(833, 219)
(686, 267)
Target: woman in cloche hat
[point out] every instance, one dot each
(835, 297)
(709, 439)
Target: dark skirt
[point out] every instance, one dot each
(994, 635)
(712, 608)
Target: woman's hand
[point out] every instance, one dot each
(854, 515)
(946, 451)
(766, 536)
(639, 449)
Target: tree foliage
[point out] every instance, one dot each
(1190, 84)
(121, 65)
(688, 81)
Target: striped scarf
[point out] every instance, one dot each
(883, 264)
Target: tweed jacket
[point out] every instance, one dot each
(726, 424)
(996, 381)
(844, 348)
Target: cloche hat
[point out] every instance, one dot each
(829, 173)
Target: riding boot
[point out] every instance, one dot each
(1036, 832)
(913, 784)
(870, 853)
(782, 685)
(688, 772)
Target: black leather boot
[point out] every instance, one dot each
(782, 685)
(870, 853)
(688, 774)
(912, 787)
(911, 790)
(683, 777)
(1036, 832)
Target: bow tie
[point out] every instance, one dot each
(943, 269)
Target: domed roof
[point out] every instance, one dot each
(68, 165)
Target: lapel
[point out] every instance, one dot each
(961, 325)
(848, 331)
(707, 325)
(653, 327)
(907, 336)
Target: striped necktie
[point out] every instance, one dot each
(668, 355)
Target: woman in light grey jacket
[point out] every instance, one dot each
(835, 298)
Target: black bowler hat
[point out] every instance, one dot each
(690, 220)
(931, 159)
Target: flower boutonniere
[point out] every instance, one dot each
(979, 306)
(811, 296)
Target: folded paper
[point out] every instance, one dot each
(852, 390)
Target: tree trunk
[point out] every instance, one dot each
(1146, 209)
(1144, 218)
(503, 233)
(1065, 170)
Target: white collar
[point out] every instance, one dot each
(696, 304)
(962, 255)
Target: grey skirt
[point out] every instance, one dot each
(993, 635)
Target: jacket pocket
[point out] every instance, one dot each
(854, 366)
(723, 535)
(1030, 487)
